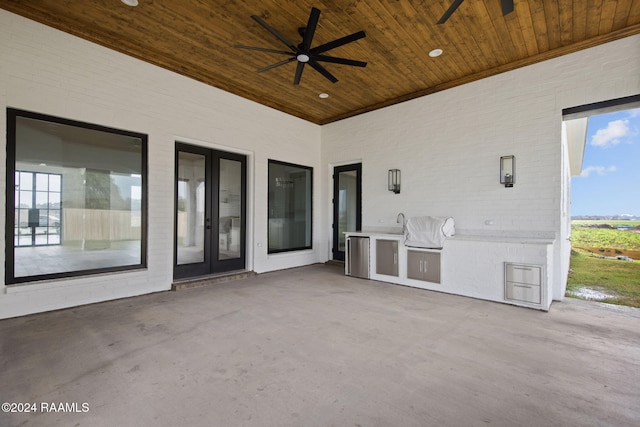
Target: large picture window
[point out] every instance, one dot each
(290, 213)
(76, 199)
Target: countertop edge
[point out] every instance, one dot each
(460, 237)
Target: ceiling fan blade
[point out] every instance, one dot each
(277, 64)
(343, 61)
(319, 68)
(310, 29)
(274, 32)
(507, 6)
(339, 42)
(298, 76)
(262, 49)
(450, 11)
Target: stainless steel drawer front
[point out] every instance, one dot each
(523, 283)
(523, 274)
(522, 292)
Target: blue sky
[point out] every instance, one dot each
(610, 179)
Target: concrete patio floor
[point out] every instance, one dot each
(311, 347)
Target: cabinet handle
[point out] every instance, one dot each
(395, 259)
(522, 268)
(421, 266)
(348, 256)
(521, 286)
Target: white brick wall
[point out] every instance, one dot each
(50, 72)
(448, 146)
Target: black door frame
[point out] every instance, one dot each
(212, 263)
(357, 167)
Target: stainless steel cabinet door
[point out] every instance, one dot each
(414, 265)
(387, 257)
(431, 267)
(423, 266)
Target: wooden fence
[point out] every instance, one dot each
(97, 224)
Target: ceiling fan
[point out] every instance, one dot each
(507, 7)
(304, 53)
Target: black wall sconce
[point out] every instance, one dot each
(394, 180)
(508, 170)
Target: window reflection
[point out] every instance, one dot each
(78, 197)
(290, 210)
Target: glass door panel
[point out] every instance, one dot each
(191, 210)
(347, 212)
(229, 205)
(347, 215)
(230, 210)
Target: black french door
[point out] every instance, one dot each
(210, 211)
(347, 205)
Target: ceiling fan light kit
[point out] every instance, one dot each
(303, 53)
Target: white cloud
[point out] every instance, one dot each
(612, 134)
(634, 113)
(600, 170)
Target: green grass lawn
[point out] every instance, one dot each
(612, 222)
(582, 235)
(619, 279)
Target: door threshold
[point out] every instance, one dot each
(213, 279)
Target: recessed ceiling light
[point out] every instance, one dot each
(130, 2)
(435, 53)
(324, 95)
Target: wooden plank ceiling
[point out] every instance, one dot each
(196, 38)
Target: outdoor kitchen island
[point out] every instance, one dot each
(513, 270)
